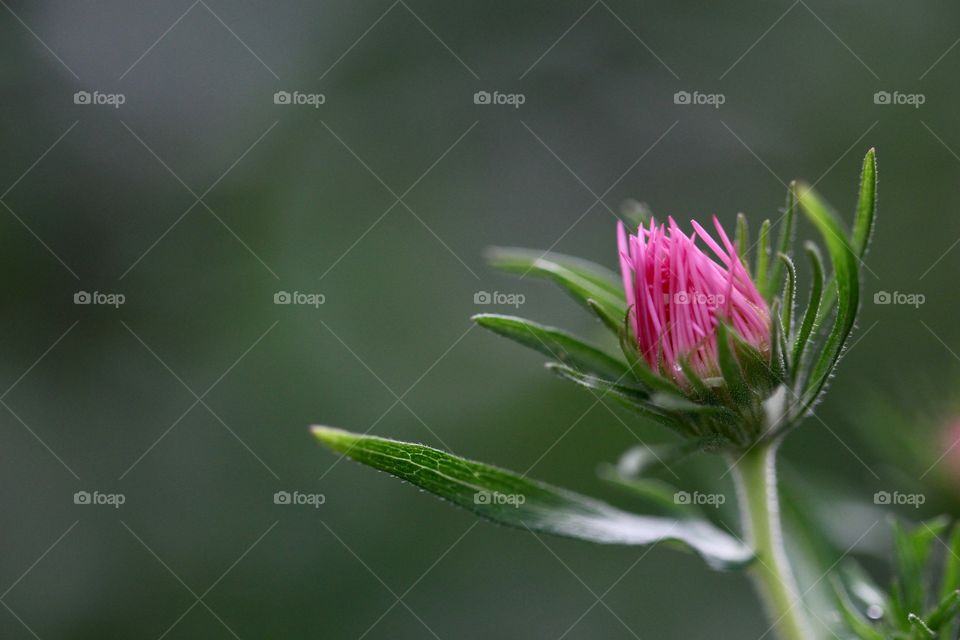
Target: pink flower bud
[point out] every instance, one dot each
(677, 294)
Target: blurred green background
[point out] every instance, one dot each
(200, 198)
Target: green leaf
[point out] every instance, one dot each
(553, 343)
(510, 499)
(763, 254)
(743, 239)
(857, 622)
(779, 350)
(912, 550)
(951, 570)
(845, 269)
(785, 241)
(580, 278)
(944, 611)
(813, 306)
(629, 394)
(657, 495)
(633, 398)
(789, 292)
(862, 587)
(866, 204)
(611, 322)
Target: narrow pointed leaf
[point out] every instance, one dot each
(582, 279)
(743, 239)
(779, 351)
(553, 343)
(785, 241)
(866, 204)
(633, 398)
(789, 292)
(857, 622)
(913, 548)
(513, 500)
(845, 269)
(951, 570)
(611, 322)
(763, 255)
(944, 611)
(604, 386)
(655, 494)
(813, 306)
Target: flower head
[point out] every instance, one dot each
(677, 294)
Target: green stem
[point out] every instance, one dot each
(756, 479)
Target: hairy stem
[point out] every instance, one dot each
(756, 480)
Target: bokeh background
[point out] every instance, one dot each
(199, 198)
